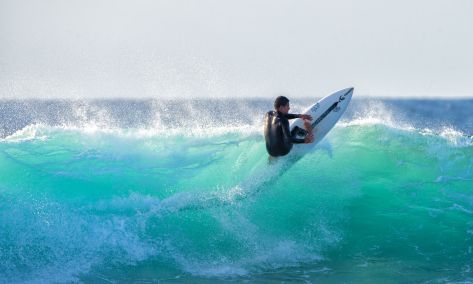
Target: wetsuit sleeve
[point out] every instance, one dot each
(292, 116)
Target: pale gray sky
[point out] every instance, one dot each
(219, 48)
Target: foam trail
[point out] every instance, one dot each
(198, 200)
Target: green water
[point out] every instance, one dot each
(370, 204)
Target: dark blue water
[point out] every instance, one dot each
(16, 114)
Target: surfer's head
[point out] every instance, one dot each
(281, 104)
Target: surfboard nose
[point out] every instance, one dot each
(348, 92)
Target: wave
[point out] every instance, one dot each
(81, 202)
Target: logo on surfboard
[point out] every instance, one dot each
(315, 107)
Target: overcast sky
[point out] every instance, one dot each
(219, 48)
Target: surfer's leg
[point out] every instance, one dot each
(308, 127)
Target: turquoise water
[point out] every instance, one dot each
(377, 201)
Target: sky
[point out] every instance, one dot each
(236, 49)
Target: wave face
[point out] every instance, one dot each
(183, 191)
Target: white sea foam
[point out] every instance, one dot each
(30, 132)
(456, 138)
(376, 113)
(42, 132)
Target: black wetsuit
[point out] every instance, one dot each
(279, 138)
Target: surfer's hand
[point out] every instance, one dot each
(306, 116)
(307, 126)
(309, 138)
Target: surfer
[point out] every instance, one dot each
(279, 138)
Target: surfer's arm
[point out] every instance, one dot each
(292, 116)
(303, 116)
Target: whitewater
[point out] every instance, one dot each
(177, 191)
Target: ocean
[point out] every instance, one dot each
(174, 191)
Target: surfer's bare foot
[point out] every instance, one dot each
(309, 138)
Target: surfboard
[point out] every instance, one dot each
(325, 114)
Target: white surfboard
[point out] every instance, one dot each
(325, 114)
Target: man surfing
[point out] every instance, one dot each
(279, 138)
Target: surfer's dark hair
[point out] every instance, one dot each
(280, 101)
